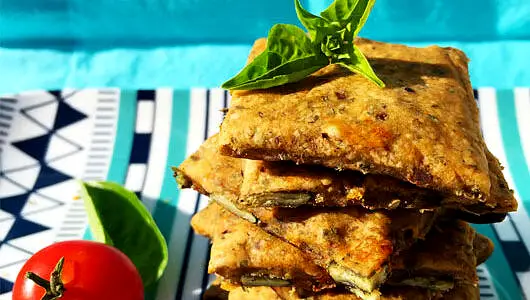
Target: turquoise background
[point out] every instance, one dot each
(183, 43)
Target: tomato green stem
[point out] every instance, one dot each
(38, 280)
(56, 283)
(55, 287)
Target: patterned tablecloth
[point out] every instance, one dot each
(49, 138)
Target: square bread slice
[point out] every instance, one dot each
(275, 183)
(422, 128)
(244, 254)
(266, 184)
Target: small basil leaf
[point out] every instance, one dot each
(289, 57)
(315, 25)
(334, 44)
(351, 14)
(289, 42)
(360, 15)
(340, 11)
(360, 65)
(117, 218)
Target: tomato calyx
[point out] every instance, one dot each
(55, 287)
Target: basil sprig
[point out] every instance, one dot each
(117, 217)
(292, 55)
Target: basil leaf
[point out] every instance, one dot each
(360, 15)
(340, 11)
(336, 44)
(349, 13)
(315, 25)
(117, 218)
(289, 42)
(281, 75)
(251, 73)
(360, 65)
(289, 57)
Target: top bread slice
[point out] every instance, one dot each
(422, 128)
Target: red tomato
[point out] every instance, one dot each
(90, 271)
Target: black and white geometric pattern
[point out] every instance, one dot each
(44, 157)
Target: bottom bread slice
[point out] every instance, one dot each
(244, 254)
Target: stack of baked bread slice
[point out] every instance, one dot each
(334, 188)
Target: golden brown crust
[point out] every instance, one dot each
(207, 173)
(423, 128)
(243, 249)
(502, 199)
